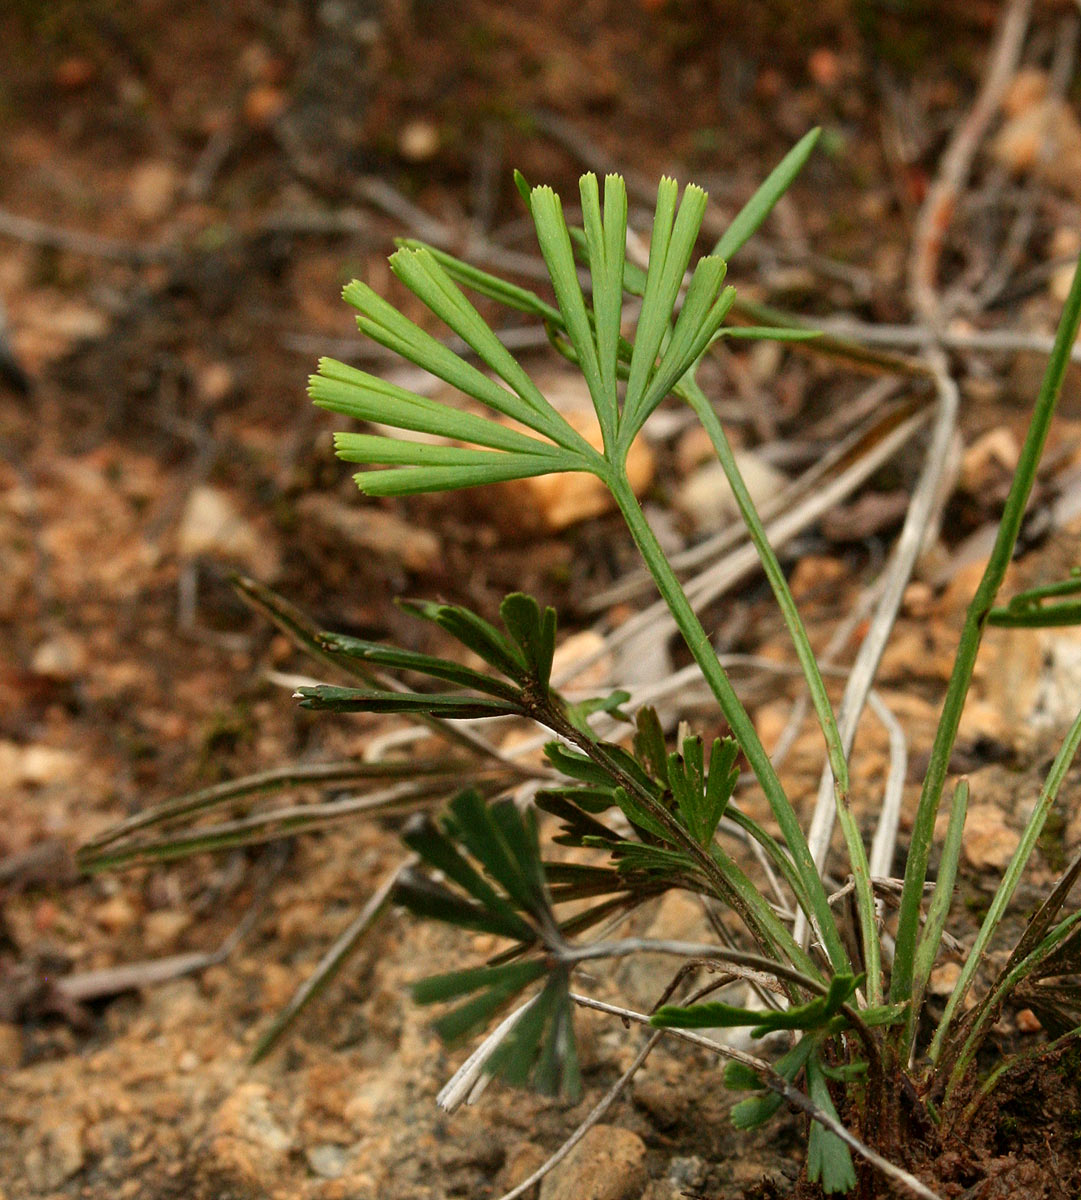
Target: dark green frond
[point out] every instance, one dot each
(449, 707)
(422, 664)
(534, 631)
(477, 634)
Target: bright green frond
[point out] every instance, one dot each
(412, 481)
(606, 244)
(422, 274)
(389, 328)
(354, 393)
(670, 253)
(555, 245)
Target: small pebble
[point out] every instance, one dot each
(609, 1163)
(418, 141)
(1027, 1021)
(328, 1161)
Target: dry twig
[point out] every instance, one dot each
(938, 208)
(926, 499)
(110, 981)
(778, 1084)
(53, 237)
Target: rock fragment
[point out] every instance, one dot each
(327, 1160)
(57, 1153)
(245, 1145)
(609, 1163)
(213, 526)
(152, 189)
(988, 842)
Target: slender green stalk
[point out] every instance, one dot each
(865, 896)
(1063, 587)
(774, 849)
(865, 902)
(1040, 616)
(1008, 884)
(1027, 610)
(697, 641)
(931, 938)
(750, 217)
(699, 402)
(975, 619)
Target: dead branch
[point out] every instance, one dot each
(937, 211)
(54, 237)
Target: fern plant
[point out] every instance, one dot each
(650, 816)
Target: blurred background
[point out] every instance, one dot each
(186, 187)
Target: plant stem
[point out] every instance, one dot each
(697, 641)
(703, 410)
(857, 854)
(1008, 884)
(975, 619)
(931, 938)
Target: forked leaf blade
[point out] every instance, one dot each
(541, 1044)
(716, 1014)
(421, 272)
(649, 744)
(669, 252)
(424, 837)
(751, 1113)
(433, 901)
(449, 986)
(385, 325)
(533, 630)
(479, 830)
(421, 664)
(555, 245)
(340, 388)
(829, 1160)
(577, 766)
(508, 294)
(475, 1014)
(639, 815)
(475, 633)
(557, 1071)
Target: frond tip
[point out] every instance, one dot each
(626, 379)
